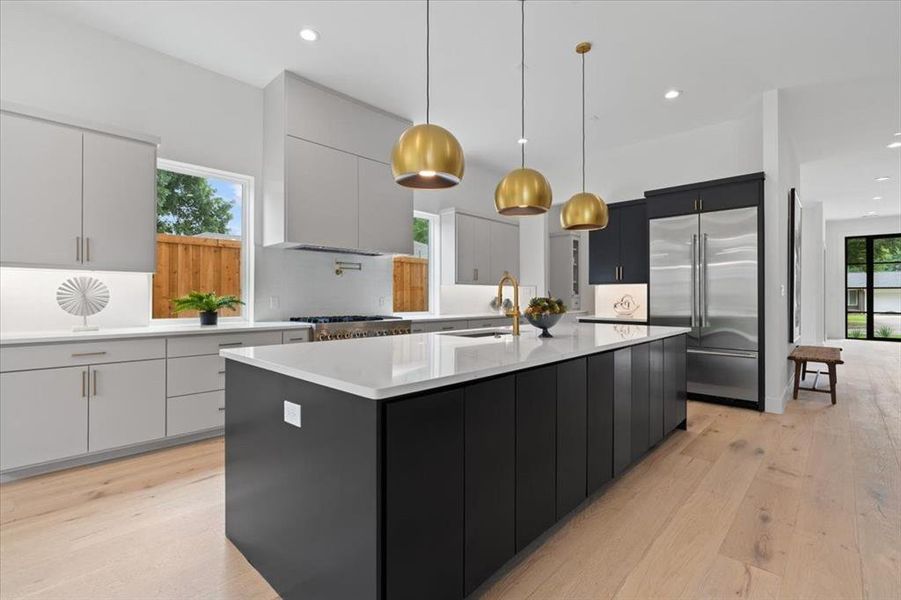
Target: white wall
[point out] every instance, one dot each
(836, 232)
(813, 244)
(783, 172)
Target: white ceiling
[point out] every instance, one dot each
(722, 54)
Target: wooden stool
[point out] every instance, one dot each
(828, 355)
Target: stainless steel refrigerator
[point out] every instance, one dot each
(704, 275)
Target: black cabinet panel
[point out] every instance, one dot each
(673, 203)
(571, 434)
(619, 252)
(600, 420)
(603, 252)
(490, 474)
(639, 413)
(655, 392)
(633, 243)
(424, 497)
(732, 195)
(536, 408)
(622, 409)
(674, 382)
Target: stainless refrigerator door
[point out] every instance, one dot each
(673, 278)
(728, 279)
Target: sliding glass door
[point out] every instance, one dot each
(873, 287)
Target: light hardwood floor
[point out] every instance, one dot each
(742, 505)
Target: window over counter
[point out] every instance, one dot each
(415, 276)
(873, 287)
(202, 239)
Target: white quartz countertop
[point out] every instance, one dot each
(167, 330)
(425, 318)
(385, 367)
(608, 318)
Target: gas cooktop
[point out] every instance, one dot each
(342, 318)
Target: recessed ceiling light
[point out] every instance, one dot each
(871, 213)
(309, 35)
(894, 145)
(522, 141)
(877, 197)
(672, 94)
(883, 178)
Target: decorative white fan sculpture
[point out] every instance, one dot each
(83, 296)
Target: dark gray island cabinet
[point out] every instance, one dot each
(428, 494)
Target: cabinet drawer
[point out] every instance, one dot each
(490, 322)
(295, 336)
(193, 345)
(196, 412)
(22, 358)
(194, 374)
(438, 326)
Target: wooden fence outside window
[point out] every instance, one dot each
(185, 264)
(411, 284)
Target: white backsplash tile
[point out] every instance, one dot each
(476, 299)
(605, 296)
(305, 283)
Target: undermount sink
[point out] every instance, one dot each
(478, 334)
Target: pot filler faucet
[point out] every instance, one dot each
(514, 312)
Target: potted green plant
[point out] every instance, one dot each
(207, 304)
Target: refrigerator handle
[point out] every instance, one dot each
(704, 320)
(694, 277)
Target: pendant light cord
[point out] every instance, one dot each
(583, 122)
(428, 30)
(522, 67)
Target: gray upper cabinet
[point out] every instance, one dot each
(326, 174)
(323, 206)
(382, 204)
(40, 193)
(72, 196)
(119, 204)
(476, 249)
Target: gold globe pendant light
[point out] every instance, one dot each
(523, 191)
(427, 156)
(584, 211)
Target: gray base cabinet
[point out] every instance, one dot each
(127, 404)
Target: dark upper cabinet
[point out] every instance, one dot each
(619, 252)
(599, 468)
(622, 410)
(424, 497)
(674, 382)
(571, 434)
(640, 410)
(655, 392)
(719, 194)
(536, 468)
(490, 476)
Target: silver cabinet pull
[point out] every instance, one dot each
(84, 384)
(87, 249)
(730, 353)
(447, 328)
(300, 339)
(227, 344)
(221, 409)
(694, 278)
(94, 382)
(701, 203)
(80, 354)
(222, 372)
(475, 274)
(704, 321)
(77, 248)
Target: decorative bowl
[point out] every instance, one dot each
(544, 322)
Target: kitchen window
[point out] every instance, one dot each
(415, 277)
(202, 240)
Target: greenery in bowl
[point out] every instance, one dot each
(207, 303)
(541, 305)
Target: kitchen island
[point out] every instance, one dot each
(415, 466)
